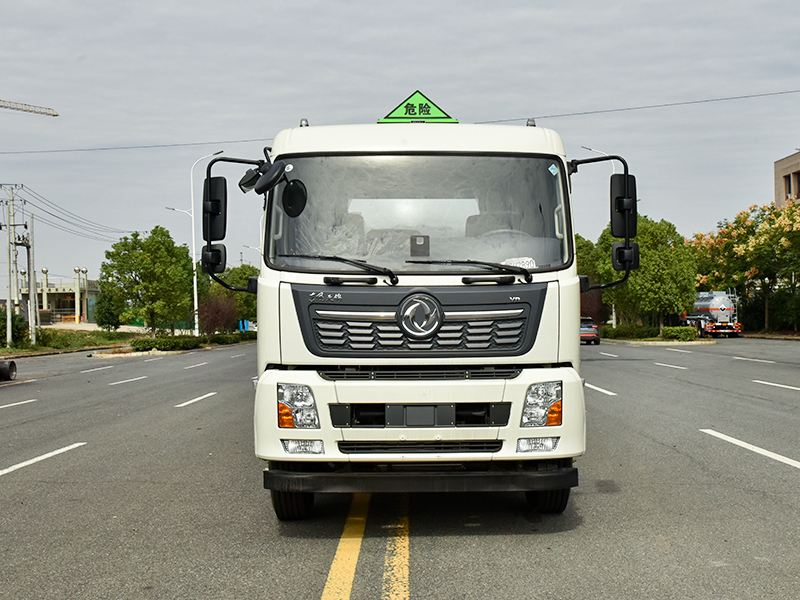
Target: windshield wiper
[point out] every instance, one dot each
(500, 267)
(350, 261)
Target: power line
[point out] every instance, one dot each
(67, 221)
(145, 147)
(647, 106)
(71, 218)
(554, 116)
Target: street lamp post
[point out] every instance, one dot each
(194, 252)
(77, 294)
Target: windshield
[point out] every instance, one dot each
(389, 210)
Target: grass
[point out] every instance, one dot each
(64, 339)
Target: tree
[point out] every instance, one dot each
(591, 302)
(665, 282)
(152, 276)
(109, 308)
(217, 312)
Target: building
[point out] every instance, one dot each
(56, 299)
(787, 179)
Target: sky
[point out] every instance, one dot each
(146, 88)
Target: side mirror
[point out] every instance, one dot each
(215, 208)
(623, 206)
(624, 259)
(584, 280)
(268, 180)
(249, 180)
(214, 258)
(252, 285)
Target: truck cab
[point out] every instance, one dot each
(418, 313)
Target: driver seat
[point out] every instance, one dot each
(483, 223)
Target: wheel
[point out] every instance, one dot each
(292, 506)
(597, 342)
(8, 370)
(548, 501)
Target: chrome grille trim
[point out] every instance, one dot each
(418, 373)
(350, 330)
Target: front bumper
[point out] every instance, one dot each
(487, 481)
(433, 441)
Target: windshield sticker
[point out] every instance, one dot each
(554, 170)
(524, 262)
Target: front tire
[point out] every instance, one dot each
(292, 506)
(548, 501)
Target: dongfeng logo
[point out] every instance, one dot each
(419, 316)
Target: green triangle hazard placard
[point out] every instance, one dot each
(417, 109)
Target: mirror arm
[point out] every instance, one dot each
(572, 166)
(602, 286)
(230, 159)
(233, 288)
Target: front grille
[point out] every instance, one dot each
(418, 373)
(377, 331)
(420, 447)
(366, 321)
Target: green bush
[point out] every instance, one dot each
(19, 330)
(625, 331)
(60, 339)
(165, 344)
(682, 334)
(248, 335)
(224, 338)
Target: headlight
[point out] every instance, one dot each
(296, 407)
(542, 405)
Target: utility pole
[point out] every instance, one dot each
(33, 293)
(25, 241)
(11, 297)
(8, 264)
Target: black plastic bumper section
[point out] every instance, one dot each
(493, 481)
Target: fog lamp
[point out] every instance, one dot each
(542, 405)
(296, 407)
(547, 444)
(303, 446)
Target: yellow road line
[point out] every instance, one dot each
(395, 570)
(343, 568)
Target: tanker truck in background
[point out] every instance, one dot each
(715, 314)
(418, 307)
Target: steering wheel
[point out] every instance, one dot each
(494, 232)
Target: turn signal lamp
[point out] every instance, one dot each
(285, 418)
(554, 414)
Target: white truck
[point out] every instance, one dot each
(418, 309)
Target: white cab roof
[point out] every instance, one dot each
(417, 137)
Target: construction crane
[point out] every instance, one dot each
(39, 110)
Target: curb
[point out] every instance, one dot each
(664, 343)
